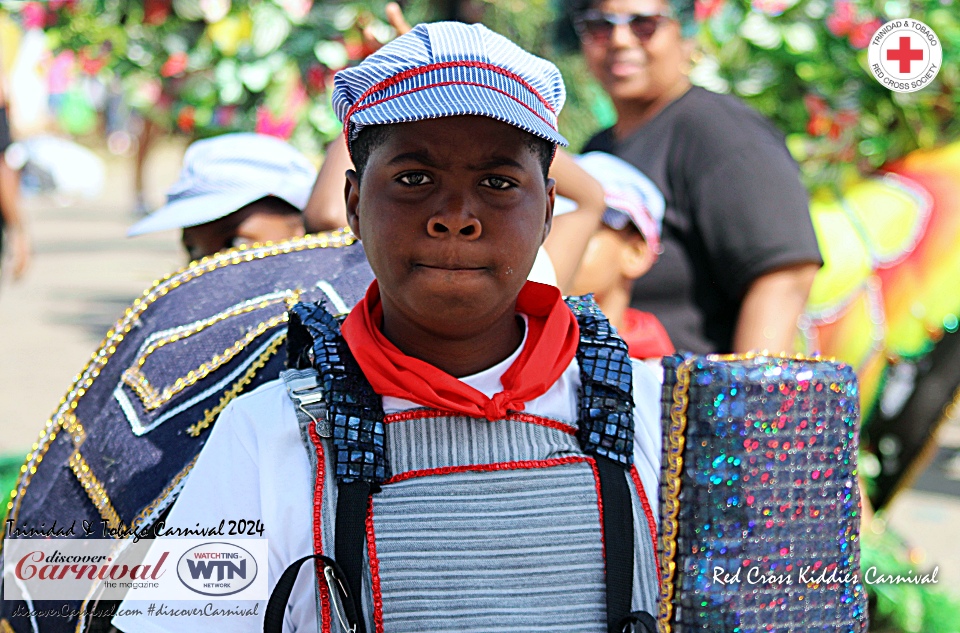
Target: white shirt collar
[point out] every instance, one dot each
(486, 382)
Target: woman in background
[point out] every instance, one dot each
(739, 251)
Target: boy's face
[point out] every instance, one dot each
(612, 260)
(451, 212)
(265, 220)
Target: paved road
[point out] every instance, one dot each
(86, 273)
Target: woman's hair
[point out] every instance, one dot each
(565, 35)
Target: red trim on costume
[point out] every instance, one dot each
(603, 538)
(651, 523)
(447, 83)
(418, 414)
(374, 570)
(317, 529)
(446, 470)
(547, 422)
(422, 414)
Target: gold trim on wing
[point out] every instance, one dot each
(210, 415)
(676, 438)
(334, 239)
(153, 399)
(146, 512)
(95, 490)
(91, 485)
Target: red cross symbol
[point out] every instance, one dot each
(905, 54)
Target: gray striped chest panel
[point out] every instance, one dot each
(461, 545)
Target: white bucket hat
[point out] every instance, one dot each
(222, 174)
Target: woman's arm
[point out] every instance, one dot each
(769, 312)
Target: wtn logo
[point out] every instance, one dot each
(225, 569)
(217, 569)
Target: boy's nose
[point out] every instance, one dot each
(455, 222)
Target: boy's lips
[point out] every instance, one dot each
(455, 267)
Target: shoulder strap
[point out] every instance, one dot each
(341, 598)
(605, 421)
(354, 409)
(605, 407)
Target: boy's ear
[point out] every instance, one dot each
(551, 200)
(637, 258)
(351, 194)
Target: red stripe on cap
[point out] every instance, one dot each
(414, 72)
(447, 83)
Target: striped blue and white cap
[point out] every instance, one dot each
(220, 175)
(450, 69)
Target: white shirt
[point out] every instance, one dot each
(255, 466)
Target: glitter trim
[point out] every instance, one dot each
(446, 470)
(374, 570)
(596, 484)
(149, 395)
(94, 489)
(158, 503)
(210, 415)
(335, 239)
(651, 523)
(325, 616)
(422, 414)
(671, 497)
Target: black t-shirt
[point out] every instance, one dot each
(735, 209)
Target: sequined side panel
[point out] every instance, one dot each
(767, 527)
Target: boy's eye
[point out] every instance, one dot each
(414, 179)
(495, 182)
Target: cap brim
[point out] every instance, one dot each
(457, 100)
(198, 210)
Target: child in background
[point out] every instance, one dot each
(624, 248)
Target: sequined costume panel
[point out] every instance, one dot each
(760, 499)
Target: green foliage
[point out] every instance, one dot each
(227, 65)
(803, 63)
(216, 66)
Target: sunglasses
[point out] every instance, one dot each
(597, 26)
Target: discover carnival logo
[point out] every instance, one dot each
(905, 55)
(157, 569)
(217, 569)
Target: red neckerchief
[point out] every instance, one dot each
(645, 335)
(552, 339)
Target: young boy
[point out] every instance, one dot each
(622, 250)
(484, 461)
(235, 189)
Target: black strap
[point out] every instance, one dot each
(351, 533)
(618, 540)
(277, 605)
(637, 622)
(299, 342)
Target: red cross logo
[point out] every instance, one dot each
(905, 55)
